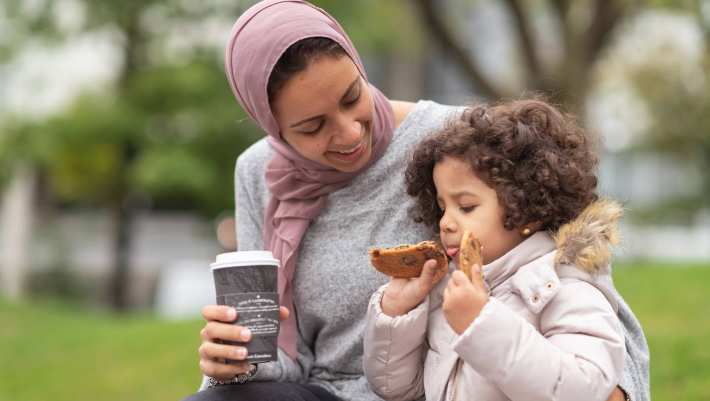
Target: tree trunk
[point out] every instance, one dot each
(570, 83)
(442, 35)
(122, 207)
(121, 216)
(17, 220)
(122, 212)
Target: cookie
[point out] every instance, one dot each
(407, 261)
(469, 253)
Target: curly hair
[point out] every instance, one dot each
(541, 164)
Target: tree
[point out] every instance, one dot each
(167, 129)
(679, 129)
(585, 30)
(96, 152)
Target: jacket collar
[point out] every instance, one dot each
(501, 269)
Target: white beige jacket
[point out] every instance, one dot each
(548, 332)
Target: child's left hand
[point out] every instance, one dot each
(464, 299)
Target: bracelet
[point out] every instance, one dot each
(238, 379)
(627, 397)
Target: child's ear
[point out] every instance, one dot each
(530, 228)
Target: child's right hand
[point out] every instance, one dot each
(404, 294)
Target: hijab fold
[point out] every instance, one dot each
(299, 187)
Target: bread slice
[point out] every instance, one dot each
(407, 261)
(469, 253)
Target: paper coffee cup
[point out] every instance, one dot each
(247, 281)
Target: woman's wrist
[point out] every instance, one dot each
(238, 379)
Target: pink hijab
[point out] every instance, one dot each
(299, 187)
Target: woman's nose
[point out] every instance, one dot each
(349, 131)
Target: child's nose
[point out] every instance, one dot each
(446, 224)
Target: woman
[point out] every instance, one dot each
(324, 186)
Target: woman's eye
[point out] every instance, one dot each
(314, 130)
(467, 209)
(353, 98)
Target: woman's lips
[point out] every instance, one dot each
(351, 156)
(354, 154)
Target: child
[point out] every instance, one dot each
(539, 324)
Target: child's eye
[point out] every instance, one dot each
(467, 209)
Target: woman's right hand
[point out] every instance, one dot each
(219, 327)
(404, 294)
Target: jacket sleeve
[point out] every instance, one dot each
(577, 354)
(395, 348)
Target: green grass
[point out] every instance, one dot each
(51, 352)
(56, 352)
(673, 305)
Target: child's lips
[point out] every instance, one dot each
(452, 252)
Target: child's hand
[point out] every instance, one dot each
(464, 299)
(404, 294)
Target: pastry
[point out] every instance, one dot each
(469, 253)
(407, 261)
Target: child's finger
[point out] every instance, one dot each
(459, 279)
(429, 270)
(477, 277)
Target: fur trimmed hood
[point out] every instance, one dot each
(587, 240)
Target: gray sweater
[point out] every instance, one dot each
(334, 280)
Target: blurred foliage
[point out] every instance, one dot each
(183, 120)
(376, 26)
(175, 115)
(167, 131)
(685, 5)
(680, 128)
(58, 283)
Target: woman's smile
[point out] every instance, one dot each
(352, 154)
(349, 156)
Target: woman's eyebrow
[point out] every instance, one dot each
(350, 88)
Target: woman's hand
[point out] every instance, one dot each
(464, 299)
(404, 294)
(219, 328)
(617, 395)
